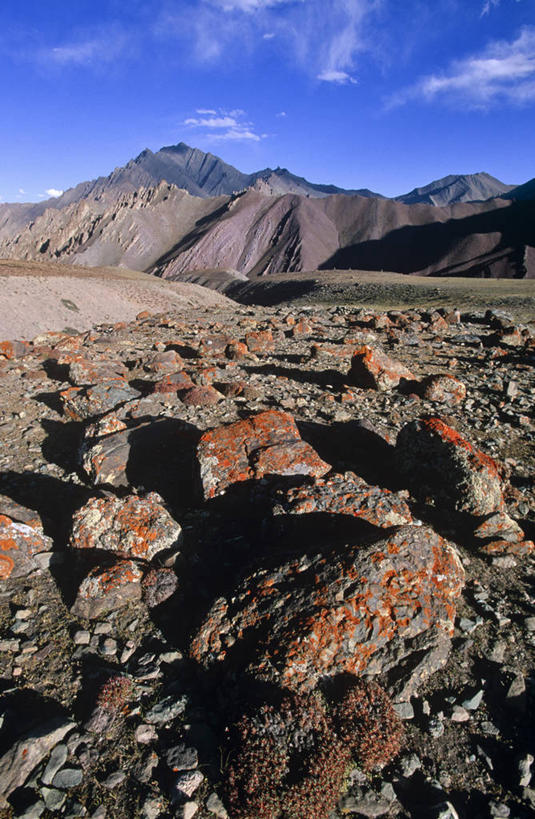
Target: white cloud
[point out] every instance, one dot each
(242, 135)
(206, 111)
(21, 190)
(488, 5)
(337, 77)
(224, 125)
(323, 40)
(53, 192)
(281, 114)
(99, 46)
(211, 122)
(503, 73)
(249, 5)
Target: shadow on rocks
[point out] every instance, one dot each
(53, 499)
(320, 377)
(356, 446)
(162, 459)
(62, 444)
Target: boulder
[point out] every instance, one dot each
(166, 362)
(14, 349)
(346, 494)
(373, 369)
(108, 588)
(358, 611)
(19, 544)
(136, 527)
(172, 383)
(438, 462)
(82, 403)
(264, 444)
(85, 372)
(442, 389)
(200, 396)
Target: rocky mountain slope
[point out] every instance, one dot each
(167, 232)
(457, 188)
(200, 174)
(205, 175)
(269, 562)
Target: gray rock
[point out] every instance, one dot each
(473, 703)
(152, 808)
(435, 727)
(24, 756)
(57, 760)
(145, 734)
(188, 810)
(524, 770)
(114, 779)
(166, 710)
(54, 799)
(459, 714)
(409, 764)
(186, 784)
(182, 758)
(68, 778)
(368, 803)
(499, 810)
(215, 805)
(404, 710)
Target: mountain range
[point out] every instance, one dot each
(180, 210)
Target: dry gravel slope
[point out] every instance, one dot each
(39, 297)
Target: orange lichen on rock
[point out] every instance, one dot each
(349, 614)
(267, 443)
(107, 589)
(373, 369)
(19, 543)
(346, 494)
(134, 526)
(438, 461)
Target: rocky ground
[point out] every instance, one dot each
(214, 524)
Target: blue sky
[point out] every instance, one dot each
(384, 94)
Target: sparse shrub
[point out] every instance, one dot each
(367, 722)
(290, 761)
(287, 762)
(114, 693)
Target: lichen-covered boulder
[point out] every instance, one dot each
(345, 494)
(356, 611)
(265, 444)
(443, 389)
(438, 462)
(108, 588)
(373, 369)
(84, 372)
(19, 544)
(136, 527)
(82, 403)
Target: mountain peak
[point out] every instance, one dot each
(475, 187)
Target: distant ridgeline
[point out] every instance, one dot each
(179, 211)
